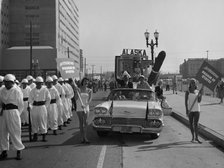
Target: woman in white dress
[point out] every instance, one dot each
(83, 107)
(192, 103)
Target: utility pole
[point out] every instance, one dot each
(92, 70)
(207, 54)
(101, 73)
(68, 52)
(31, 48)
(85, 69)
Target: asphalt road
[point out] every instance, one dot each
(172, 149)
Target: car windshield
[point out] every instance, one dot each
(134, 94)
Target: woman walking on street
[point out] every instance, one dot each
(192, 104)
(83, 108)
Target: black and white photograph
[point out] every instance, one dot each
(111, 83)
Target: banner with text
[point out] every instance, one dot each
(66, 66)
(208, 76)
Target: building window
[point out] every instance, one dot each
(32, 7)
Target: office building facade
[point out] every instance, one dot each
(39, 32)
(191, 66)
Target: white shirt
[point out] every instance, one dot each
(41, 94)
(26, 91)
(12, 96)
(191, 98)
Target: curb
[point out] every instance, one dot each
(206, 132)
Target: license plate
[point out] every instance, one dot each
(123, 129)
(126, 130)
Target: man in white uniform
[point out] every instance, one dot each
(52, 109)
(11, 102)
(1, 86)
(65, 101)
(61, 92)
(1, 81)
(40, 99)
(31, 81)
(26, 92)
(69, 96)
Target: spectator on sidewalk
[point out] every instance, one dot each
(159, 90)
(112, 84)
(105, 86)
(220, 89)
(192, 104)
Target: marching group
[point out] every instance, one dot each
(50, 104)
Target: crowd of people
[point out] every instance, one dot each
(45, 105)
(48, 105)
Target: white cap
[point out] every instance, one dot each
(39, 79)
(61, 79)
(16, 81)
(142, 76)
(1, 78)
(54, 77)
(49, 79)
(29, 77)
(10, 77)
(24, 81)
(126, 74)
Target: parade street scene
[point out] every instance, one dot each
(111, 84)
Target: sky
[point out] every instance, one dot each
(187, 29)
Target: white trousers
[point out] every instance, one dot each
(39, 119)
(52, 113)
(60, 112)
(10, 126)
(24, 115)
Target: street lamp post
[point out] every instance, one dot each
(35, 64)
(31, 48)
(152, 44)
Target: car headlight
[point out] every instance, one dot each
(100, 110)
(103, 111)
(97, 110)
(154, 112)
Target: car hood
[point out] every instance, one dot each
(130, 109)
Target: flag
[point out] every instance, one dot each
(111, 108)
(67, 68)
(147, 111)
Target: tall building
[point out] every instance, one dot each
(4, 26)
(39, 32)
(191, 66)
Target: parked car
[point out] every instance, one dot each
(128, 110)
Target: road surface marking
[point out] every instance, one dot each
(101, 157)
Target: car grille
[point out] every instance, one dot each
(102, 121)
(150, 123)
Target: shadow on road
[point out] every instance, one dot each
(209, 104)
(180, 144)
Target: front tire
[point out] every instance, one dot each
(154, 135)
(102, 133)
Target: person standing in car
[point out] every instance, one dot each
(125, 81)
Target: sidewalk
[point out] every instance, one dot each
(211, 118)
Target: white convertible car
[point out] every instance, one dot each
(129, 111)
